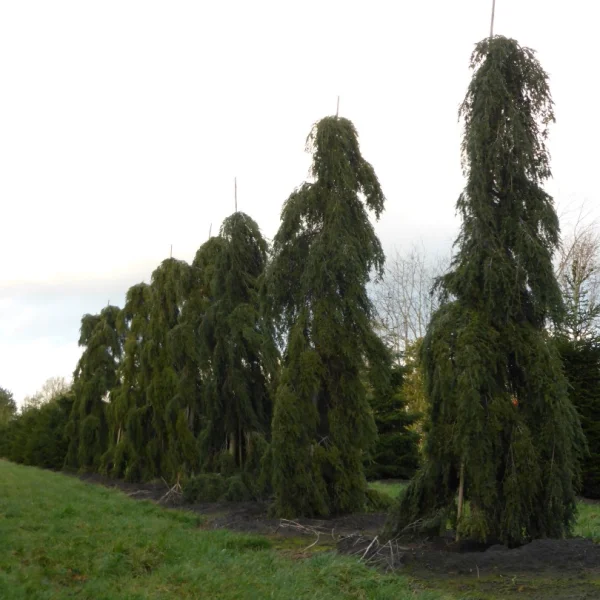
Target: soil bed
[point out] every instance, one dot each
(440, 556)
(248, 517)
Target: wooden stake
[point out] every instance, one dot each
(337, 110)
(209, 230)
(461, 493)
(171, 253)
(235, 183)
(492, 23)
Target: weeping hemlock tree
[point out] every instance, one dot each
(239, 349)
(127, 413)
(94, 377)
(169, 290)
(324, 253)
(504, 439)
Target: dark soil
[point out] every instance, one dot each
(572, 555)
(249, 517)
(440, 556)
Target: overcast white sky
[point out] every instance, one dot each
(122, 125)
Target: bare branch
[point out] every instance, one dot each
(404, 300)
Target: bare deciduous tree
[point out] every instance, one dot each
(52, 387)
(578, 272)
(404, 299)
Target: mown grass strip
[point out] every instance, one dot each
(61, 538)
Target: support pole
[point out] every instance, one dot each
(235, 184)
(461, 494)
(337, 110)
(492, 23)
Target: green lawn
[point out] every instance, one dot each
(391, 489)
(588, 522)
(61, 538)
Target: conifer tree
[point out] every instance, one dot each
(239, 349)
(324, 254)
(169, 290)
(94, 378)
(185, 340)
(504, 437)
(396, 453)
(128, 412)
(581, 360)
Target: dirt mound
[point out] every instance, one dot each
(570, 555)
(439, 557)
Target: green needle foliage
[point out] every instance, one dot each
(324, 253)
(169, 290)
(127, 412)
(94, 378)
(501, 422)
(582, 366)
(239, 348)
(396, 452)
(185, 344)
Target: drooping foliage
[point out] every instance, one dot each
(169, 290)
(127, 413)
(504, 438)
(413, 388)
(396, 452)
(237, 343)
(581, 361)
(324, 254)
(198, 364)
(93, 380)
(185, 343)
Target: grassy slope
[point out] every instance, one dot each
(61, 538)
(588, 522)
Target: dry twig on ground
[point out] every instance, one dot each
(173, 493)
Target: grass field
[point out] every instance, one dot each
(61, 538)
